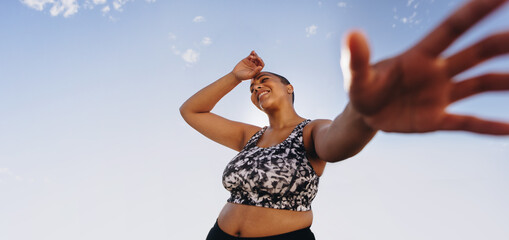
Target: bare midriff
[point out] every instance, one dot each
(252, 221)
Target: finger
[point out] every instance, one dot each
(254, 60)
(473, 124)
(251, 55)
(258, 60)
(490, 47)
(261, 62)
(358, 66)
(366, 91)
(456, 24)
(480, 84)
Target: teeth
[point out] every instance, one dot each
(259, 103)
(261, 94)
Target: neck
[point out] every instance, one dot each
(283, 117)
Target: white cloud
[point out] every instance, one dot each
(408, 14)
(342, 4)
(206, 41)
(118, 4)
(191, 56)
(36, 4)
(106, 9)
(67, 7)
(410, 19)
(198, 19)
(311, 30)
(88, 5)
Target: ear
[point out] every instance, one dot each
(289, 88)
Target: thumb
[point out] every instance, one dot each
(355, 61)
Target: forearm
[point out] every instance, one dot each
(346, 136)
(204, 100)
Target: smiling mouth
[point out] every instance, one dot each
(261, 94)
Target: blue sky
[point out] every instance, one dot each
(92, 145)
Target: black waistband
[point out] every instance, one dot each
(217, 233)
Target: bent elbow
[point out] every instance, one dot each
(183, 111)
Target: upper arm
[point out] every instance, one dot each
(329, 143)
(342, 138)
(310, 135)
(318, 130)
(229, 133)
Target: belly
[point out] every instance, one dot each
(251, 221)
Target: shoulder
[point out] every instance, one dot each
(316, 125)
(249, 132)
(311, 130)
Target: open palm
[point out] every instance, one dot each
(410, 92)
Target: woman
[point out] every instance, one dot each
(274, 177)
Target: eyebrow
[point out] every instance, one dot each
(259, 76)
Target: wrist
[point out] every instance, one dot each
(234, 77)
(359, 118)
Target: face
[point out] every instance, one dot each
(267, 91)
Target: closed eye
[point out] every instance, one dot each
(251, 90)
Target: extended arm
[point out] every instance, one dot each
(411, 92)
(343, 137)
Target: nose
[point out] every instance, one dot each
(256, 87)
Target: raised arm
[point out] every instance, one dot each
(196, 110)
(410, 93)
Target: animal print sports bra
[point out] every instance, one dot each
(279, 177)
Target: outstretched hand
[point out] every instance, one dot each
(248, 67)
(410, 92)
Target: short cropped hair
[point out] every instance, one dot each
(285, 82)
